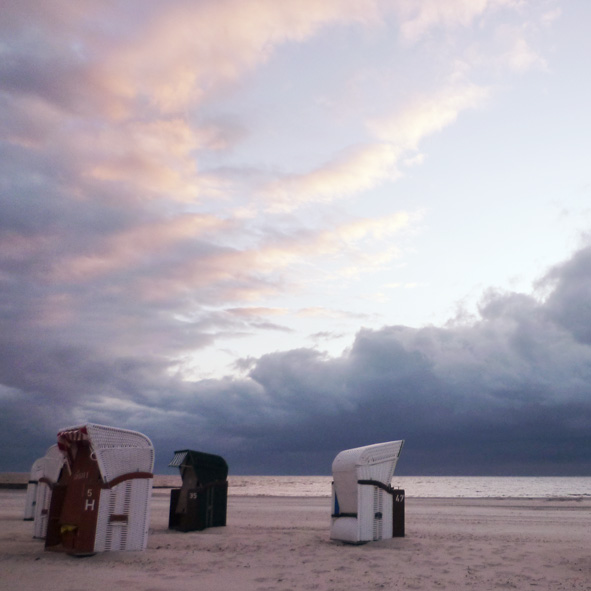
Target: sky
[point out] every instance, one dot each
(276, 230)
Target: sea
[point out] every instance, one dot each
(414, 486)
(563, 487)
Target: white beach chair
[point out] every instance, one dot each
(103, 502)
(46, 471)
(32, 485)
(362, 497)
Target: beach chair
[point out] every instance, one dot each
(30, 499)
(44, 475)
(102, 500)
(202, 500)
(362, 496)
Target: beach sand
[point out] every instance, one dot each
(282, 543)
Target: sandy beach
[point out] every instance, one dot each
(282, 543)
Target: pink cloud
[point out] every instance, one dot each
(181, 258)
(114, 109)
(188, 51)
(425, 115)
(516, 51)
(129, 249)
(322, 312)
(418, 17)
(256, 312)
(154, 156)
(353, 170)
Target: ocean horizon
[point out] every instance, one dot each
(567, 487)
(423, 486)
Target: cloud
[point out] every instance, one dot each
(131, 247)
(352, 171)
(569, 302)
(114, 101)
(426, 115)
(136, 234)
(328, 312)
(140, 281)
(364, 167)
(506, 393)
(160, 58)
(418, 18)
(522, 57)
(518, 54)
(479, 398)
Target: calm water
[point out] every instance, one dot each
(415, 486)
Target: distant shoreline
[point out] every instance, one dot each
(20, 481)
(14, 479)
(415, 487)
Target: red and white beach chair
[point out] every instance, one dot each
(102, 501)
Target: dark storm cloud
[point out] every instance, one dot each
(570, 302)
(508, 393)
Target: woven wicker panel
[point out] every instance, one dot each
(41, 510)
(140, 495)
(115, 462)
(119, 451)
(131, 498)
